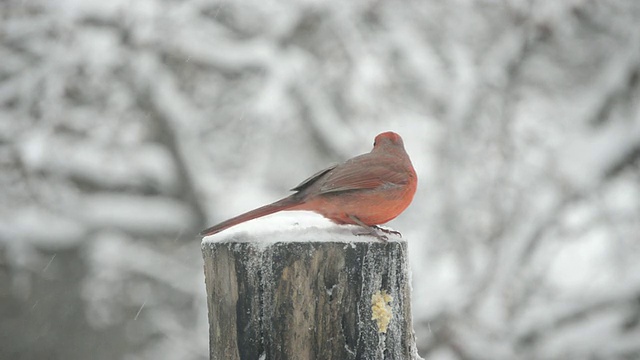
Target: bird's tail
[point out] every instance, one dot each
(279, 205)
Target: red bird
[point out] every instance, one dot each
(366, 190)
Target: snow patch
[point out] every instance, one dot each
(291, 226)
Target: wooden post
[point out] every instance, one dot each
(343, 297)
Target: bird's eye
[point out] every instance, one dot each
(374, 143)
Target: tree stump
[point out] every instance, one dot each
(321, 296)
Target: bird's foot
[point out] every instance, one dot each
(372, 232)
(388, 231)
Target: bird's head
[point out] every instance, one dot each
(388, 138)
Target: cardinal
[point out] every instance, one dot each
(367, 190)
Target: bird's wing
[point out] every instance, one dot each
(313, 178)
(361, 175)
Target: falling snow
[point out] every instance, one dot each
(126, 127)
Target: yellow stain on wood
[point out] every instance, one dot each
(381, 310)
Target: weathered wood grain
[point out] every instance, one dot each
(306, 299)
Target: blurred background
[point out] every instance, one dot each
(128, 126)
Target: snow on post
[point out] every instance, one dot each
(308, 294)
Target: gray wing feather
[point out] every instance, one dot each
(313, 178)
